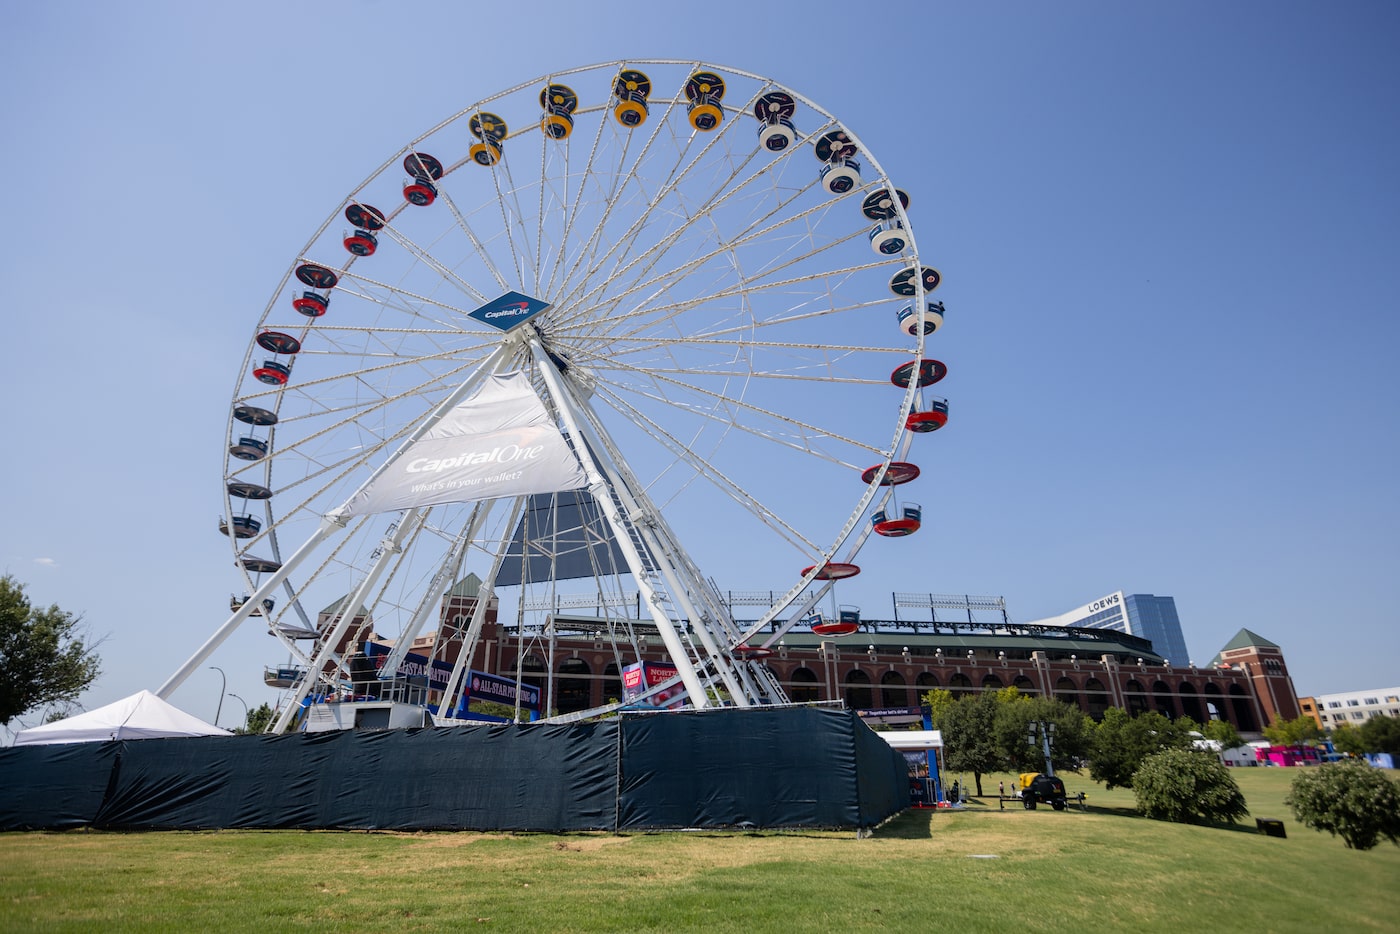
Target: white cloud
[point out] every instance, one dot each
(46, 562)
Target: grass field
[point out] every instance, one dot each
(972, 870)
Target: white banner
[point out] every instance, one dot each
(500, 442)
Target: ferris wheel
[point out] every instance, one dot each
(699, 281)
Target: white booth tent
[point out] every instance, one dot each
(140, 716)
(913, 740)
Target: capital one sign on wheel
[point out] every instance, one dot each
(500, 442)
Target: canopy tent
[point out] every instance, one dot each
(140, 716)
(913, 740)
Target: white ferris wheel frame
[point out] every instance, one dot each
(676, 579)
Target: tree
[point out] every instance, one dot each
(1300, 731)
(1378, 734)
(1185, 785)
(1381, 734)
(1223, 732)
(45, 656)
(937, 701)
(1351, 800)
(257, 719)
(1347, 738)
(1072, 733)
(1121, 743)
(969, 736)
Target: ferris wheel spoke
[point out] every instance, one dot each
(745, 235)
(427, 259)
(482, 253)
(704, 469)
(732, 405)
(624, 177)
(742, 289)
(673, 178)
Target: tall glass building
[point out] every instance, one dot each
(1138, 614)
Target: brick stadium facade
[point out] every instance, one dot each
(887, 664)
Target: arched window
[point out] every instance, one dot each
(959, 683)
(803, 689)
(859, 695)
(1067, 691)
(1096, 697)
(1243, 708)
(574, 691)
(991, 683)
(1024, 685)
(1191, 703)
(894, 690)
(612, 684)
(1215, 702)
(1135, 697)
(1162, 698)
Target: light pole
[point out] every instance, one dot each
(223, 686)
(245, 709)
(1042, 735)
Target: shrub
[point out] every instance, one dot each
(1122, 742)
(1350, 800)
(1183, 785)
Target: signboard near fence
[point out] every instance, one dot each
(640, 677)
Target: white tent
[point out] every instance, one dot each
(140, 716)
(913, 740)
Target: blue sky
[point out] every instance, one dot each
(1167, 235)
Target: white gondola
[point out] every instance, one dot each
(841, 176)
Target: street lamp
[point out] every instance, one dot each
(245, 709)
(223, 686)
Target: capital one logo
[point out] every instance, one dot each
(510, 310)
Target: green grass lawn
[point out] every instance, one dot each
(980, 868)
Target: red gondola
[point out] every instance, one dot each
(898, 472)
(277, 342)
(420, 192)
(745, 653)
(273, 373)
(425, 170)
(832, 571)
(362, 243)
(364, 217)
(932, 420)
(847, 621)
(311, 304)
(908, 524)
(928, 372)
(318, 277)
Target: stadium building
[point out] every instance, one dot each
(965, 644)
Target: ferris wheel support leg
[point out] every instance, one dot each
(434, 592)
(349, 611)
(483, 600)
(327, 528)
(672, 559)
(598, 487)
